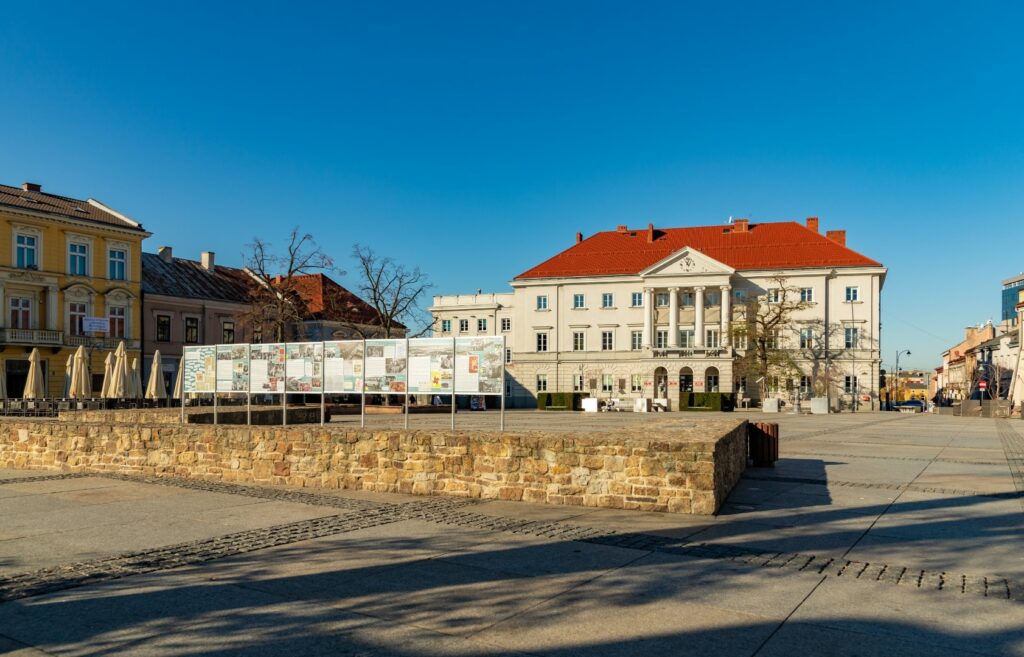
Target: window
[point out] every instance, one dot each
(711, 340)
(711, 380)
(686, 338)
(446, 325)
(636, 340)
(606, 383)
(772, 340)
(711, 299)
(116, 316)
(227, 333)
(78, 258)
(118, 264)
(578, 341)
(163, 328)
(506, 324)
(508, 388)
(27, 252)
(806, 338)
(542, 383)
(607, 340)
(741, 296)
(577, 382)
(637, 299)
(542, 342)
(579, 301)
(192, 330)
(542, 302)
(636, 383)
(481, 326)
(741, 385)
(852, 294)
(807, 294)
(660, 339)
(688, 300)
(76, 318)
(257, 334)
(21, 312)
(850, 384)
(774, 295)
(463, 326)
(607, 300)
(805, 385)
(851, 337)
(739, 338)
(661, 299)
(508, 355)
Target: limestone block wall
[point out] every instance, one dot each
(679, 470)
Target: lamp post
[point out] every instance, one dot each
(897, 388)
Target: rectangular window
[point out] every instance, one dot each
(850, 384)
(607, 300)
(578, 341)
(192, 330)
(853, 294)
(163, 328)
(481, 326)
(661, 339)
(688, 300)
(463, 326)
(508, 388)
(711, 340)
(606, 383)
(542, 342)
(772, 340)
(76, 318)
(741, 385)
(774, 295)
(579, 301)
(542, 383)
(686, 338)
(740, 340)
(78, 257)
(506, 324)
(607, 340)
(227, 333)
(852, 337)
(21, 312)
(446, 325)
(257, 334)
(116, 316)
(118, 264)
(711, 299)
(807, 294)
(661, 299)
(542, 302)
(636, 383)
(637, 299)
(577, 382)
(508, 355)
(806, 338)
(27, 252)
(805, 385)
(636, 340)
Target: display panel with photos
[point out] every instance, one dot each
(266, 368)
(479, 365)
(233, 368)
(343, 366)
(431, 365)
(304, 367)
(200, 374)
(386, 366)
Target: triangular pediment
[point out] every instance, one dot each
(687, 261)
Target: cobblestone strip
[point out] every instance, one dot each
(863, 484)
(71, 575)
(52, 477)
(1013, 447)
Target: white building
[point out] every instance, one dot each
(648, 313)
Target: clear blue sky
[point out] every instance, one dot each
(474, 139)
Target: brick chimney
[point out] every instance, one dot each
(812, 223)
(32, 187)
(740, 225)
(622, 228)
(579, 237)
(650, 233)
(837, 236)
(165, 253)
(207, 260)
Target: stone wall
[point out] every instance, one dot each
(682, 470)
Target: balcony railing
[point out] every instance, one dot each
(32, 337)
(100, 343)
(692, 352)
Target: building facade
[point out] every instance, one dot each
(1012, 287)
(64, 264)
(651, 312)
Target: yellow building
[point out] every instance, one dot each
(66, 265)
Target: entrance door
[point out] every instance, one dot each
(16, 373)
(686, 380)
(661, 383)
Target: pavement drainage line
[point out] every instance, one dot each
(53, 477)
(896, 487)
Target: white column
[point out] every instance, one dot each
(726, 315)
(51, 308)
(648, 309)
(673, 317)
(698, 321)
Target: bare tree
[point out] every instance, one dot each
(394, 292)
(277, 304)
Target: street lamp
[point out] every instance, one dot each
(896, 390)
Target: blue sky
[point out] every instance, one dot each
(474, 139)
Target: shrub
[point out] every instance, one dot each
(707, 401)
(563, 401)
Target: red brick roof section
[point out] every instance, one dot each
(777, 245)
(62, 206)
(340, 304)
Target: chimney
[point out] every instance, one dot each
(650, 233)
(812, 223)
(207, 260)
(32, 187)
(622, 228)
(165, 253)
(740, 225)
(579, 237)
(837, 236)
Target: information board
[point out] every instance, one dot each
(431, 365)
(200, 373)
(266, 368)
(343, 366)
(386, 366)
(479, 364)
(233, 368)
(304, 367)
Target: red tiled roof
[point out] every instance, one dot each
(327, 300)
(777, 245)
(63, 206)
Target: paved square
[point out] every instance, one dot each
(876, 534)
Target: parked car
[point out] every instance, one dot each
(910, 406)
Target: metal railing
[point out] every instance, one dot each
(100, 343)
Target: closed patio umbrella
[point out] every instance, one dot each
(179, 380)
(108, 375)
(136, 379)
(67, 374)
(34, 388)
(120, 380)
(156, 388)
(81, 386)
(3, 381)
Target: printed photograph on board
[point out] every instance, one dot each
(304, 367)
(233, 368)
(200, 369)
(343, 366)
(431, 365)
(479, 364)
(266, 368)
(386, 366)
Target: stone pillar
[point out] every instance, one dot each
(673, 317)
(648, 317)
(51, 308)
(698, 321)
(726, 340)
(3, 307)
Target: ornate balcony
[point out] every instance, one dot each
(33, 337)
(692, 352)
(101, 343)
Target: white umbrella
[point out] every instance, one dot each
(120, 381)
(108, 375)
(81, 386)
(34, 388)
(3, 382)
(156, 388)
(67, 374)
(179, 381)
(136, 379)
